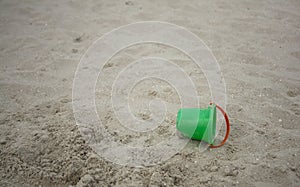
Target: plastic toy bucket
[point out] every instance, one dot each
(200, 124)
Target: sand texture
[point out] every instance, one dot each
(256, 43)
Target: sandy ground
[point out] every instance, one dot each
(257, 44)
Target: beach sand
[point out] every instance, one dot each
(256, 43)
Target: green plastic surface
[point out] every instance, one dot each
(197, 123)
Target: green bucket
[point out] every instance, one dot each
(198, 123)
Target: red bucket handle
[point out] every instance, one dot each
(227, 128)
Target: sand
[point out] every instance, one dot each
(256, 43)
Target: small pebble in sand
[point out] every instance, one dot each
(65, 100)
(108, 65)
(230, 171)
(293, 168)
(130, 3)
(2, 141)
(292, 93)
(78, 39)
(152, 93)
(144, 116)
